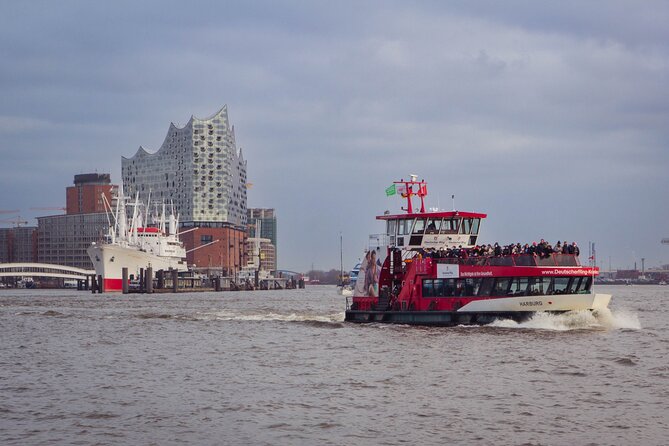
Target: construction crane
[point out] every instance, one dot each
(665, 241)
(49, 208)
(17, 222)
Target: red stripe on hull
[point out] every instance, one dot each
(113, 284)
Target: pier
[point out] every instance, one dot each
(172, 282)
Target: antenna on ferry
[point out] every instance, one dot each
(453, 198)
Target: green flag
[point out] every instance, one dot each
(390, 191)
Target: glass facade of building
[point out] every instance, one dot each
(64, 239)
(197, 169)
(18, 245)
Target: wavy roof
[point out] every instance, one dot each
(223, 112)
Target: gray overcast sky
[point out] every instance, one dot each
(553, 118)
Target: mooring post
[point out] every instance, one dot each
(149, 280)
(161, 279)
(175, 280)
(124, 279)
(101, 285)
(142, 288)
(217, 283)
(93, 284)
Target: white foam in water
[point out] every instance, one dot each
(576, 320)
(619, 319)
(292, 317)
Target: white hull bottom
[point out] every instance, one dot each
(109, 261)
(557, 302)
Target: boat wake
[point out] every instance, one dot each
(227, 315)
(576, 320)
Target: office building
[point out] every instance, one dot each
(18, 245)
(268, 230)
(63, 239)
(89, 193)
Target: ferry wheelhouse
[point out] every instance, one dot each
(419, 280)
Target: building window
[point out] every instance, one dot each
(204, 239)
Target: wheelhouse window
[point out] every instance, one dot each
(392, 227)
(466, 227)
(404, 227)
(419, 226)
(449, 226)
(476, 224)
(433, 226)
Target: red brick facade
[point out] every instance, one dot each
(87, 198)
(227, 255)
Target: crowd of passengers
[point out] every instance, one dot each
(541, 249)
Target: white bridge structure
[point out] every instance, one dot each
(44, 270)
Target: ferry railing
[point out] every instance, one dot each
(554, 259)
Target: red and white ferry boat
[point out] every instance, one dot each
(415, 285)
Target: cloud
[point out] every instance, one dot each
(519, 108)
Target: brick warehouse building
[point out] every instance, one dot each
(226, 256)
(85, 197)
(63, 239)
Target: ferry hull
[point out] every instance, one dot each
(109, 261)
(434, 318)
(485, 311)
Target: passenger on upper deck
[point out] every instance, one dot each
(541, 249)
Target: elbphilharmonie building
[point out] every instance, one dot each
(197, 169)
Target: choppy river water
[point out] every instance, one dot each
(281, 367)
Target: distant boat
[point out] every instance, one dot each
(347, 290)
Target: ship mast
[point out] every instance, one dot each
(408, 189)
